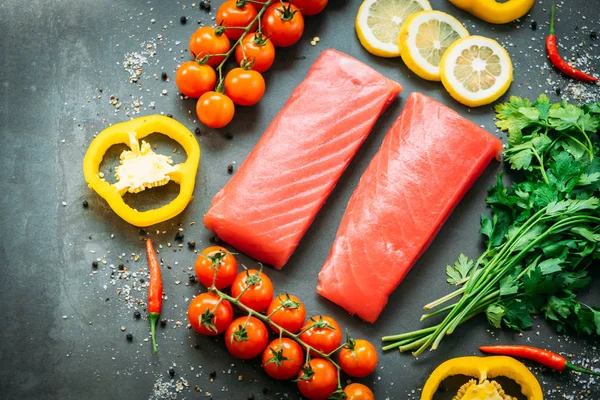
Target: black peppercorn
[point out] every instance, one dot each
(171, 372)
(179, 236)
(213, 374)
(163, 322)
(593, 35)
(183, 20)
(170, 115)
(557, 90)
(164, 76)
(136, 314)
(205, 5)
(85, 204)
(121, 267)
(129, 337)
(228, 136)
(142, 232)
(192, 244)
(230, 169)
(533, 25)
(197, 131)
(192, 279)
(94, 264)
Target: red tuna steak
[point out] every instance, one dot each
(272, 199)
(428, 160)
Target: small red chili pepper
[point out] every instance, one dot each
(543, 357)
(557, 60)
(154, 290)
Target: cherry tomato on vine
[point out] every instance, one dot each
(357, 391)
(283, 23)
(322, 383)
(244, 87)
(206, 317)
(206, 41)
(289, 313)
(323, 333)
(246, 337)
(214, 109)
(282, 359)
(358, 358)
(259, 51)
(219, 260)
(193, 79)
(233, 14)
(310, 7)
(260, 289)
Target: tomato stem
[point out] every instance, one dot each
(267, 320)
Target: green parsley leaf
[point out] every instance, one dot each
(461, 269)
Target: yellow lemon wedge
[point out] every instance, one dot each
(378, 23)
(476, 70)
(424, 38)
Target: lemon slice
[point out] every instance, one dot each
(379, 21)
(424, 38)
(476, 70)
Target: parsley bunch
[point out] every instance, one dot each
(543, 233)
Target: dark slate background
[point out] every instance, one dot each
(61, 333)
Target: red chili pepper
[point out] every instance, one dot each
(557, 60)
(154, 290)
(543, 357)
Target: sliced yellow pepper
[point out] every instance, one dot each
(141, 168)
(483, 368)
(493, 12)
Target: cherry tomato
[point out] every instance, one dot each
(229, 14)
(289, 313)
(258, 6)
(244, 87)
(193, 79)
(260, 289)
(246, 337)
(259, 51)
(324, 334)
(310, 7)
(358, 358)
(283, 23)
(206, 317)
(282, 359)
(357, 391)
(323, 382)
(206, 41)
(214, 109)
(216, 259)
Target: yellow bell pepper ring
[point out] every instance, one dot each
(494, 12)
(484, 368)
(141, 168)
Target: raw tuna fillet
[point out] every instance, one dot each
(428, 160)
(268, 205)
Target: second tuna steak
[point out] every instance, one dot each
(428, 160)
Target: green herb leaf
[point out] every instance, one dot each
(460, 270)
(494, 314)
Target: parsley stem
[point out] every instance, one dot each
(444, 299)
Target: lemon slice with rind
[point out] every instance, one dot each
(378, 23)
(476, 70)
(424, 38)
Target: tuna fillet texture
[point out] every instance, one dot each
(268, 205)
(428, 160)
